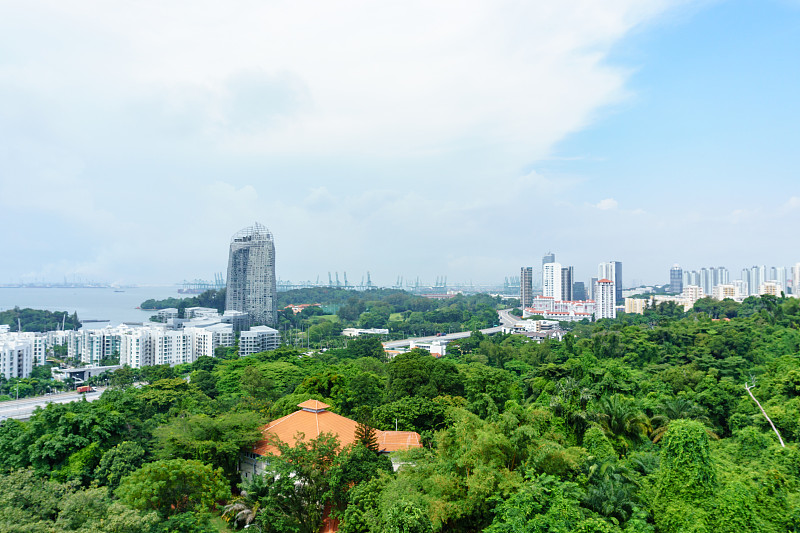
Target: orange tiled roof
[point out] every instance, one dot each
(392, 441)
(314, 405)
(312, 420)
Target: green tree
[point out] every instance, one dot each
(542, 505)
(687, 478)
(405, 517)
(297, 484)
(174, 486)
(214, 440)
(118, 462)
(417, 373)
(622, 421)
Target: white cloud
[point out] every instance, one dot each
(791, 204)
(607, 204)
(155, 130)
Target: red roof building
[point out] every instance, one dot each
(311, 421)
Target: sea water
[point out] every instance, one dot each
(90, 303)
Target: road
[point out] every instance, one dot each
(506, 319)
(23, 409)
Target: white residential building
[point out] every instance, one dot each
(605, 299)
(771, 288)
(258, 339)
(692, 293)
(635, 305)
(551, 280)
(741, 290)
(16, 355)
(721, 292)
(796, 280)
(166, 314)
(171, 347)
(194, 312)
(541, 305)
(136, 348)
(156, 345)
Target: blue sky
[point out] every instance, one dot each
(460, 139)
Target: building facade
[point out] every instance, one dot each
(566, 283)
(676, 279)
(525, 286)
(605, 299)
(251, 286)
(551, 281)
(258, 339)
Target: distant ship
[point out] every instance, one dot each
(119, 290)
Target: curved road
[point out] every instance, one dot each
(23, 409)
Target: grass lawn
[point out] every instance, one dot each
(396, 317)
(330, 318)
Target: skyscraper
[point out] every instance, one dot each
(796, 279)
(551, 280)
(566, 283)
(251, 275)
(676, 279)
(605, 306)
(526, 286)
(579, 291)
(612, 271)
(549, 257)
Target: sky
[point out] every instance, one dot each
(460, 139)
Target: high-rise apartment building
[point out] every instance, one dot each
(723, 291)
(612, 270)
(551, 280)
(526, 286)
(579, 291)
(566, 283)
(779, 275)
(758, 275)
(676, 279)
(605, 301)
(796, 280)
(251, 275)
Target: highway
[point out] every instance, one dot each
(506, 319)
(23, 409)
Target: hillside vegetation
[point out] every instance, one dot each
(640, 424)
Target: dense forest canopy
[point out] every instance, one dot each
(38, 320)
(639, 424)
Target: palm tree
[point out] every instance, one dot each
(611, 490)
(569, 402)
(611, 498)
(241, 511)
(244, 509)
(622, 421)
(673, 410)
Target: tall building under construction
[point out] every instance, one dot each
(251, 284)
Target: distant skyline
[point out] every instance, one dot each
(463, 139)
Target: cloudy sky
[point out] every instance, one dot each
(408, 138)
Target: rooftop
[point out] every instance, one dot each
(313, 419)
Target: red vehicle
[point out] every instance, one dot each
(85, 388)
